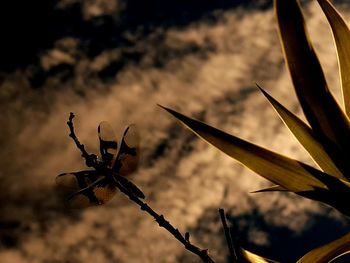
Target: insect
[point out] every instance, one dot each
(98, 186)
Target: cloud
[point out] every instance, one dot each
(206, 70)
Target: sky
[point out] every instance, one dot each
(114, 61)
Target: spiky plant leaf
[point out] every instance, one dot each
(341, 34)
(325, 116)
(293, 175)
(306, 137)
(328, 252)
(274, 188)
(254, 258)
(237, 253)
(290, 174)
(335, 195)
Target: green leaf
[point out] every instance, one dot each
(292, 175)
(328, 121)
(341, 34)
(305, 136)
(328, 252)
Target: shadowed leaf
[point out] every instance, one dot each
(108, 142)
(305, 136)
(336, 194)
(329, 122)
(328, 252)
(293, 175)
(341, 34)
(126, 162)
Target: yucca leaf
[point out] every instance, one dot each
(254, 258)
(336, 195)
(325, 116)
(328, 252)
(237, 253)
(292, 175)
(305, 136)
(341, 34)
(274, 188)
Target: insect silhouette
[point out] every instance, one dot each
(98, 186)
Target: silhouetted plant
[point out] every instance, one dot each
(325, 136)
(96, 187)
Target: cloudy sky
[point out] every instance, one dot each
(114, 61)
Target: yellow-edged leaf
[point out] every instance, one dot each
(306, 137)
(274, 188)
(254, 258)
(341, 34)
(328, 121)
(291, 174)
(328, 252)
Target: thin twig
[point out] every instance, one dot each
(228, 236)
(202, 253)
(91, 161)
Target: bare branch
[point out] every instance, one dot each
(162, 222)
(92, 161)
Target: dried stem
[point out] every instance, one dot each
(202, 253)
(228, 236)
(91, 161)
(236, 252)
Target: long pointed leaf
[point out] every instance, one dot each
(254, 258)
(293, 175)
(341, 34)
(305, 136)
(328, 252)
(322, 111)
(274, 188)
